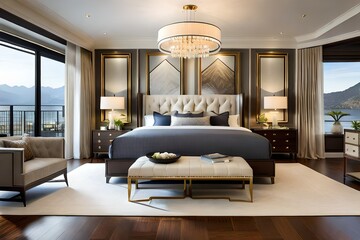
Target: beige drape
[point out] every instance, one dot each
(79, 97)
(310, 106)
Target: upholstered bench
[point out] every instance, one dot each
(189, 168)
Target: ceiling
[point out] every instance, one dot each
(99, 24)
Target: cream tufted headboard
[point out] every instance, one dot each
(193, 103)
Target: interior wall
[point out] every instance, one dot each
(248, 78)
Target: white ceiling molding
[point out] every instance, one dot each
(329, 40)
(334, 23)
(258, 42)
(150, 43)
(20, 32)
(23, 10)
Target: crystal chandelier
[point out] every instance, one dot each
(189, 39)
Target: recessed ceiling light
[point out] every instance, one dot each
(303, 16)
(87, 15)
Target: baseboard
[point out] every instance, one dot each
(334, 155)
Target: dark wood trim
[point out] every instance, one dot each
(343, 51)
(30, 26)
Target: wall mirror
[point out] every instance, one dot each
(272, 80)
(116, 81)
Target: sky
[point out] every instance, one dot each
(18, 69)
(340, 76)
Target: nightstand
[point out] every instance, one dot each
(282, 140)
(101, 140)
(352, 151)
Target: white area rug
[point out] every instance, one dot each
(298, 190)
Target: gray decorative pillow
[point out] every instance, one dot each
(188, 114)
(190, 121)
(28, 154)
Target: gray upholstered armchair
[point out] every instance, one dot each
(20, 174)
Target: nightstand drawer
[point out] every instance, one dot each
(283, 148)
(352, 150)
(105, 134)
(352, 137)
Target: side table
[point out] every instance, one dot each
(282, 140)
(101, 140)
(351, 147)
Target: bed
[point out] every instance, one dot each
(191, 140)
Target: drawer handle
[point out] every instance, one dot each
(110, 134)
(110, 141)
(274, 147)
(287, 134)
(99, 141)
(287, 141)
(274, 140)
(264, 134)
(274, 134)
(99, 147)
(98, 134)
(287, 147)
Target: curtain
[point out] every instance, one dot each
(310, 103)
(79, 97)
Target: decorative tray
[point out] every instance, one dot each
(162, 161)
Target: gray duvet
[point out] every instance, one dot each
(189, 141)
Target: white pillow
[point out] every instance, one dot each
(234, 121)
(149, 120)
(190, 121)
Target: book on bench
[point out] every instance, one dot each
(216, 158)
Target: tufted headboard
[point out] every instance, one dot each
(192, 103)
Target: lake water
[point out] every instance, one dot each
(345, 121)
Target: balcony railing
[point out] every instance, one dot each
(16, 120)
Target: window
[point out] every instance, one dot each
(31, 89)
(52, 97)
(342, 91)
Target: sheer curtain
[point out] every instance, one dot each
(310, 106)
(79, 97)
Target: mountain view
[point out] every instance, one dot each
(20, 95)
(347, 99)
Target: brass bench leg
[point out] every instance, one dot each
(184, 190)
(129, 189)
(251, 189)
(250, 179)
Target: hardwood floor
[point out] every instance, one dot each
(82, 227)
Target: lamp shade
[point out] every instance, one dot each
(189, 39)
(112, 103)
(275, 102)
